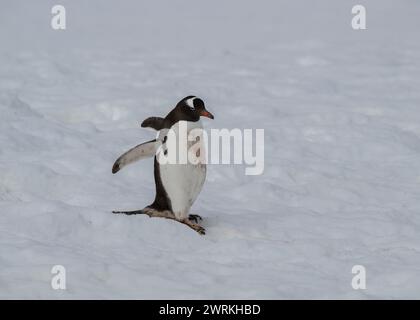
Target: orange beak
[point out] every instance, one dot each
(207, 114)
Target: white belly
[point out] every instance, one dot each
(183, 182)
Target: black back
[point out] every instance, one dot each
(162, 201)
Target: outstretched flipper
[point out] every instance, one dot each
(142, 151)
(129, 213)
(153, 213)
(156, 123)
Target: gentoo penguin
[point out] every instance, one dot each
(177, 184)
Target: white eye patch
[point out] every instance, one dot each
(190, 103)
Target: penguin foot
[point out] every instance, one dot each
(195, 218)
(193, 226)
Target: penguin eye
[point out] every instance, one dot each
(198, 104)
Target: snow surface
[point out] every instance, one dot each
(341, 113)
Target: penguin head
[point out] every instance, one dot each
(191, 108)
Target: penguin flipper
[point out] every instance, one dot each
(156, 123)
(142, 151)
(152, 213)
(149, 211)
